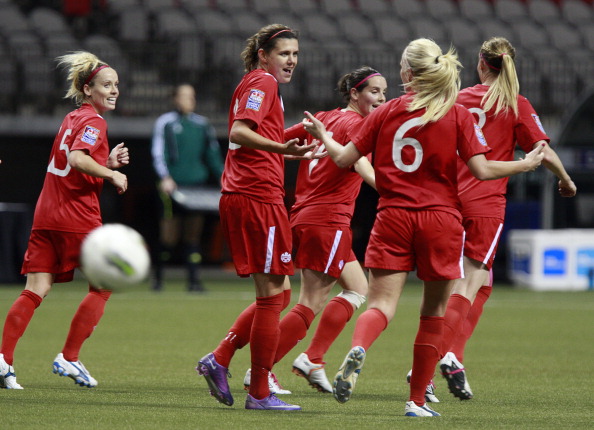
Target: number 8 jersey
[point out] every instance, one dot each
(69, 200)
(416, 166)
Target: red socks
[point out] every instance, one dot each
(293, 328)
(337, 313)
(264, 339)
(369, 326)
(425, 356)
(239, 333)
(455, 315)
(471, 322)
(18, 318)
(85, 320)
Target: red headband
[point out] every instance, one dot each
(366, 78)
(93, 73)
(276, 34)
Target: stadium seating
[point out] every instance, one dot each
(189, 39)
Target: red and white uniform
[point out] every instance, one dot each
(69, 200)
(253, 215)
(68, 206)
(418, 218)
(483, 202)
(325, 201)
(253, 172)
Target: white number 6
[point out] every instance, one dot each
(400, 142)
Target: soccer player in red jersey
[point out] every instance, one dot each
(320, 219)
(66, 211)
(415, 140)
(506, 119)
(253, 215)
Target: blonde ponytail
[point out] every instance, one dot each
(498, 54)
(435, 78)
(81, 67)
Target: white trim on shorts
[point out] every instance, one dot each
(335, 244)
(493, 244)
(269, 249)
(461, 263)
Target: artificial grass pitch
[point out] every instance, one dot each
(529, 364)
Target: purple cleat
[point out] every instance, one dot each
(270, 403)
(216, 378)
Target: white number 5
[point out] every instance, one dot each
(52, 165)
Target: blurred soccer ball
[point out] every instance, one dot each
(114, 256)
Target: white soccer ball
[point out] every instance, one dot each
(114, 256)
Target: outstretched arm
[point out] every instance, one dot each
(484, 169)
(242, 134)
(343, 156)
(553, 163)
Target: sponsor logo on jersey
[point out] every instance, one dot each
(538, 123)
(90, 135)
(480, 135)
(255, 99)
(285, 257)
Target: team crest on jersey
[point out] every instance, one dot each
(538, 123)
(255, 99)
(285, 257)
(90, 135)
(480, 135)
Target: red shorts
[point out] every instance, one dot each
(51, 251)
(431, 240)
(482, 238)
(258, 234)
(323, 248)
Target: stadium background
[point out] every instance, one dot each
(154, 44)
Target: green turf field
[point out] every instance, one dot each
(530, 365)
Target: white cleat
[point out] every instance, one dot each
(75, 370)
(7, 376)
(346, 378)
(313, 372)
(412, 410)
(273, 385)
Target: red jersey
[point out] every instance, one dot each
(253, 172)
(416, 167)
(503, 132)
(325, 194)
(69, 200)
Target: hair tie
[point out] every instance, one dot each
(502, 54)
(93, 73)
(366, 78)
(487, 63)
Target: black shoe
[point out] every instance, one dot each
(196, 287)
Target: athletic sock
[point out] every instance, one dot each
(425, 356)
(293, 328)
(476, 310)
(85, 320)
(337, 313)
(455, 315)
(239, 333)
(369, 326)
(18, 318)
(237, 337)
(264, 342)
